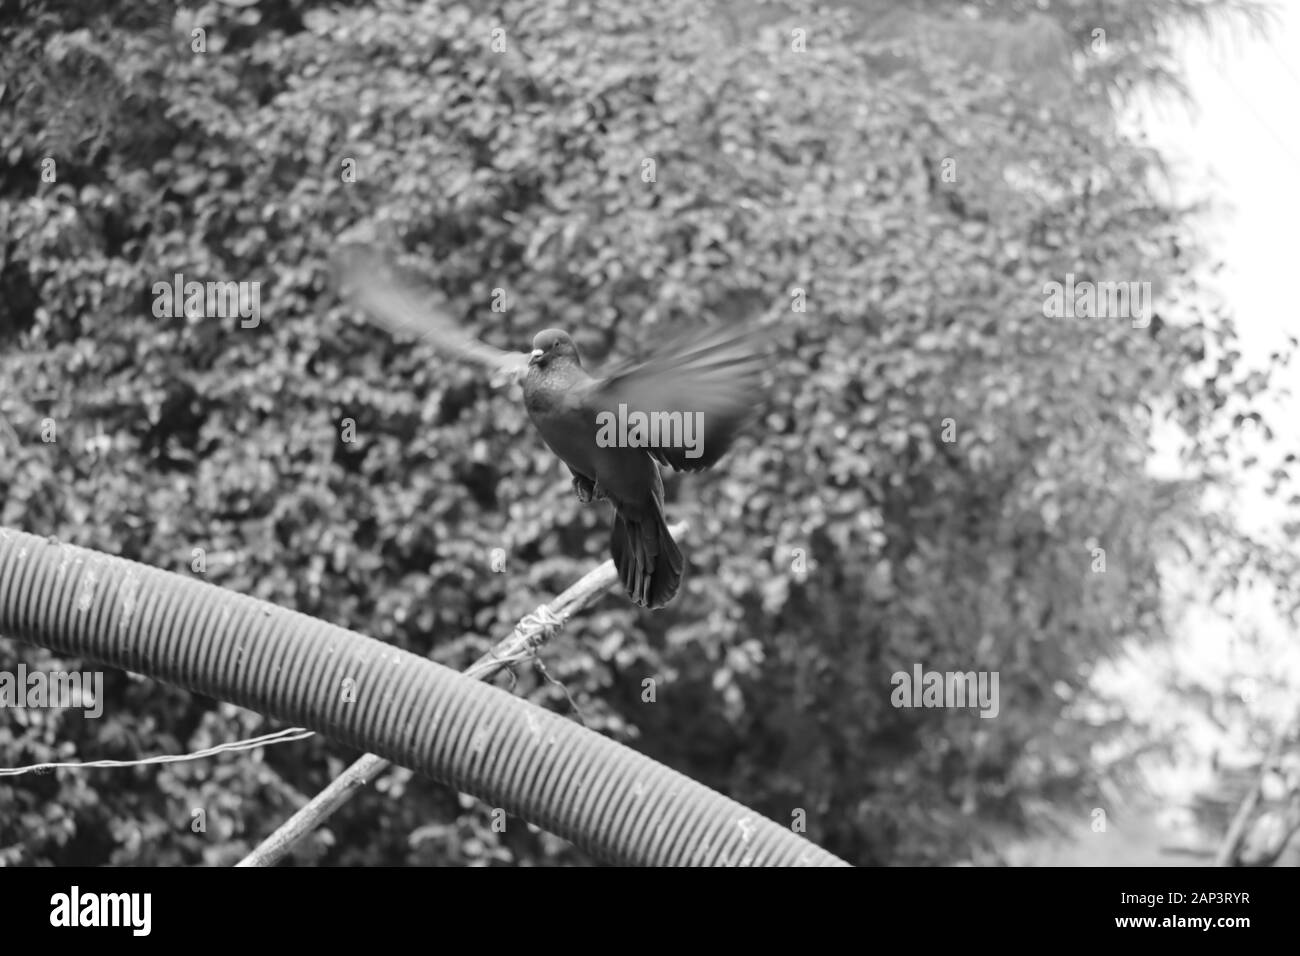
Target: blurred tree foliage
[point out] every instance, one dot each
(845, 541)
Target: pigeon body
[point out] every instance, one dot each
(563, 402)
(713, 376)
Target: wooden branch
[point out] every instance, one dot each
(1227, 854)
(533, 631)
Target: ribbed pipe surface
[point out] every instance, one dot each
(608, 799)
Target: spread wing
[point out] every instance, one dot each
(368, 280)
(714, 375)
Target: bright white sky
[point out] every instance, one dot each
(1240, 147)
(1244, 141)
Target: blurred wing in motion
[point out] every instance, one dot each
(368, 281)
(716, 373)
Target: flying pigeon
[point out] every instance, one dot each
(681, 407)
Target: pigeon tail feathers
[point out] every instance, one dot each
(648, 560)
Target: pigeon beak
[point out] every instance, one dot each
(535, 356)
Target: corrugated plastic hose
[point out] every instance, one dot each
(606, 798)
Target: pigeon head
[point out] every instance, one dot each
(552, 344)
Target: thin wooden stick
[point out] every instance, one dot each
(532, 631)
(1237, 829)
